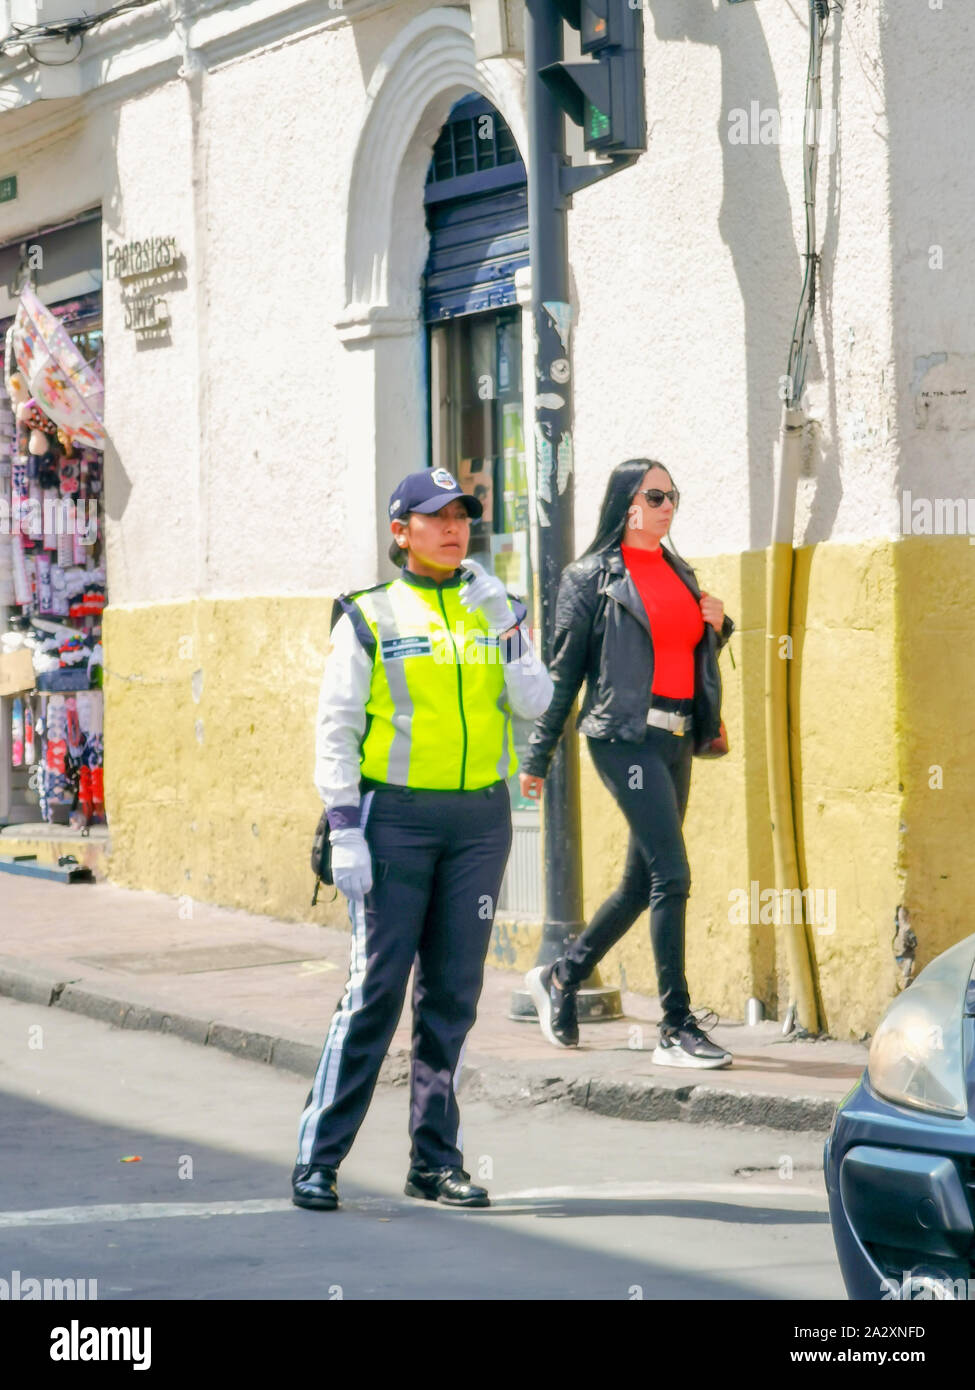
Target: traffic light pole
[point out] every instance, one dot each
(551, 313)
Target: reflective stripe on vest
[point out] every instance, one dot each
(437, 713)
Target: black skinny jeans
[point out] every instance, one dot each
(649, 782)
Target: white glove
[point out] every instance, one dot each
(351, 862)
(487, 593)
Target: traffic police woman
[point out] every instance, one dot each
(414, 743)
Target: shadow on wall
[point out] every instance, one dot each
(755, 221)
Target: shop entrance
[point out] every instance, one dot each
(52, 567)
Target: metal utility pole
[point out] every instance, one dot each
(550, 183)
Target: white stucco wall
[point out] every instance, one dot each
(687, 268)
(927, 56)
(59, 170)
(290, 504)
(152, 411)
(252, 454)
(276, 483)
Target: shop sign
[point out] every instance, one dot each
(155, 255)
(146, 313)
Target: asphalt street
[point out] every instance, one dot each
(584, 1207)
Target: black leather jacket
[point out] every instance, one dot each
(602, 636)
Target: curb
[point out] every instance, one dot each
(649, 1099)
(644, 1099)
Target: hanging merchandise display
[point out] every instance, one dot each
(67, 388)
(52, 572)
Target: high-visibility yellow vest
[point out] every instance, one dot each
(437, 714)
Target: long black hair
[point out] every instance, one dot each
(617, 501)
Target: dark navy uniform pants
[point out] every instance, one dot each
(438, 860)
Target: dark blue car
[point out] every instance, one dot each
(900, 1158)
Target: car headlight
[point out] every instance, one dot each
(916, 1056)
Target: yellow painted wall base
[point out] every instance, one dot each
(209, 735)
(209, 749)
(514, 944)
(935, 735)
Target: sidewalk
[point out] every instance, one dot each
(266, 989)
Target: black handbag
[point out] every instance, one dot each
(321, 856)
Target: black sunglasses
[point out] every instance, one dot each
(655, 497)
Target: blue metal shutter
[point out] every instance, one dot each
(477, 215)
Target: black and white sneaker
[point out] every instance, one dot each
(555, 1005)
(689, 1046)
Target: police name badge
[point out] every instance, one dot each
(398, 648)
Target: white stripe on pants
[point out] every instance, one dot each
(326, 1077)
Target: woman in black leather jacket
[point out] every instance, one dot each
(632, 623)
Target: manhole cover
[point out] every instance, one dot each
(194, 960)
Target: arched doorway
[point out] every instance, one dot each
(389, 426)
(476, 201)
(427, 68)
(476, 205)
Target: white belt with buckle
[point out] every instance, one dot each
(679, 724)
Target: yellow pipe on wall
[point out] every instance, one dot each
(777, 656)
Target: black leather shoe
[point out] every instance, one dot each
(315, 1188)
(451, 1186)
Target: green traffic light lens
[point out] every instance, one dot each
(597, 122)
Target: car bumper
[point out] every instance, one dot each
(901, 1188)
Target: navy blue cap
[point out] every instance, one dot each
(428, 491)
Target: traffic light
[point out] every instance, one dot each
(605, 95)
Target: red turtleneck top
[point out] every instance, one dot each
(676, 625)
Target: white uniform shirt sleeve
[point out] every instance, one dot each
(341, 721)
(527, 682)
